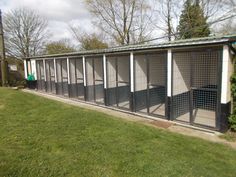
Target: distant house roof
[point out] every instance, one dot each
(165, 45)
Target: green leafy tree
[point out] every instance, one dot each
(90, 42)
(62, 46)
(193, 23)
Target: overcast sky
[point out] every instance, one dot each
(59, 13)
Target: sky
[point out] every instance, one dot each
(59, 13)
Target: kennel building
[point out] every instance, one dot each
(186, 81)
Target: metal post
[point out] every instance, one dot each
(44, 72)
(85, 79)
(55, 70)
(132, 81)
(105, 79)
(169, 84)
(105, 71)
(2, 50)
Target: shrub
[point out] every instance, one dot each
(232, 118)
(232, 121)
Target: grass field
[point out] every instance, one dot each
(40, 137)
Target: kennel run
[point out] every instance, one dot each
(186, 81)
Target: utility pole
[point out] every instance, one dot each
(2, 51)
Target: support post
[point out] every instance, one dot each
(105, 79)
(55, 75)
(225, 108)
(169, 85)
(85, 78)
(68, 76)
(132, 82)
(25, 69)
(44, 72)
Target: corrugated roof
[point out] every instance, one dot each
(171, 44)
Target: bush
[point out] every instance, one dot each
(232, 121)
(233, 86)
(232, 118)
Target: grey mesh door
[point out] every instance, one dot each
(62, 77)
(50, 76)
(150, 83)
(118, 81)
(196, 86)
(40, 75)
(77, 79)
(95, 83)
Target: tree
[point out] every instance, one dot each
(125, 21)
(88, 41)
(58, 47)
(193, 23)
(25, 32)
(167, 13)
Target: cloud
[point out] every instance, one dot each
(59, 14)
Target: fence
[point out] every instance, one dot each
(188, 84)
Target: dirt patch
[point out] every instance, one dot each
(162, 124)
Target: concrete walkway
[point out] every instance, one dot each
(147, 120)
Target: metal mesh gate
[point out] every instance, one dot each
(62, 77)
(40, 75)
(195, 86)
(94, 76)
(50, 76)
(118, 81)
(150, 83)
(76, 78)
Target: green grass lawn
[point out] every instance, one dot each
(40, 137)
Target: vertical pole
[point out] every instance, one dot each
(55, 70)
(169, 84)
(44, 72)
(225, 101)
(55, 75)
(132, 81)
(25, 68)
(68, 70)
(148, 84)
(2, 50)
(225, 75)
(85, 78)
(68, 75)
(105, 79)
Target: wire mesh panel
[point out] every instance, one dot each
(40, 75)
(94, 76)
(79, 78)
(157, 78)
(73, 82)
(118, 83)
(50, 76)
(140, 95)
(195, 86)
(150, 83)
(181, 86)
(204, 86)
(111, 81)
(123, 82)
(90, 79)
(64, 77)
(76, 78)
(59, 77)
(98, 80)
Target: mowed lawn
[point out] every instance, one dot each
(40, 137)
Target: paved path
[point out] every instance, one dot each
(150, 121)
